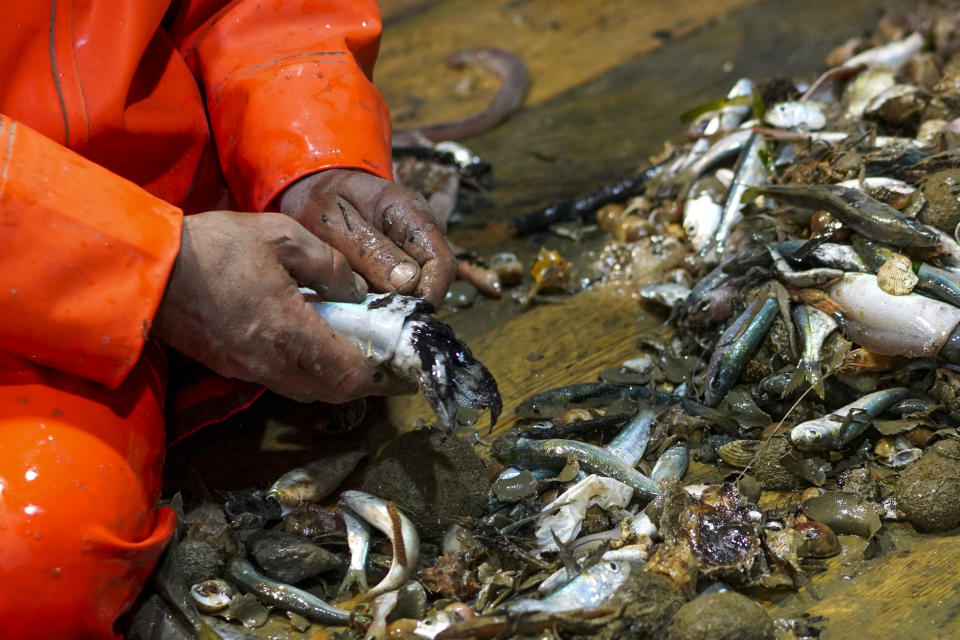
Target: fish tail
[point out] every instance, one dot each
(810, 371)
(795, 381)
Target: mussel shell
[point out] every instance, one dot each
(739, 453)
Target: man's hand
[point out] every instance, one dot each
(386, 232)
(233, 304)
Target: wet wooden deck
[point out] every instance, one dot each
(609, 80)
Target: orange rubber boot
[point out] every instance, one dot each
(80, 475)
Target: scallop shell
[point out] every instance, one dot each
(739, 453)
(896, 276)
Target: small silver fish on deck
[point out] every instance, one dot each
(386, 517)
(588, 590)
(832, 432)
(735, 347)
(814, 326)
(672, 463)
(285, 596)
(358, 541)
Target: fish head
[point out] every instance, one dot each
(809, 436)
(720, 379)
(533, 408)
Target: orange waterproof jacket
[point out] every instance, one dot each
(120, 114)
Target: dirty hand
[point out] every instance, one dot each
(386, 232)
(233, 304)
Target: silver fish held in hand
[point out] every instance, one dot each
(399, 333)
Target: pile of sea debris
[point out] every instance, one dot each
(812, 346)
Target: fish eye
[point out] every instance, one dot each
(613, 566)
(715, 383)
(813, 434)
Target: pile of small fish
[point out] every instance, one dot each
(812, 345)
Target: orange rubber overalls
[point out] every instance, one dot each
(118, 116)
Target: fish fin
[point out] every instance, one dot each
(355, 579)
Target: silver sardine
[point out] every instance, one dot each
(358, 541)
(735, 347)
(814, 326)
(588, 590)
(386, 517)
(832, 432)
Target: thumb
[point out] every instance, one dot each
(315, 264)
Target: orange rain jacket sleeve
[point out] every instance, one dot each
(283, 86)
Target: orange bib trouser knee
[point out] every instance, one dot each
(117, 117)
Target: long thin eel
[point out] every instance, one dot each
(385, 516)
(285, 596)
(514, 81)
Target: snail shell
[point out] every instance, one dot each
(896, 276)
(211, 596)
(739, 453)
(819, 540)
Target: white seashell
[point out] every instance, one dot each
(211, 596)
(896, 276)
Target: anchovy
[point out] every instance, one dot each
(803, 279)
(386, 517)
(865, 215)
(358, 541)
(588, 590)
(554, 454)
(749, 172)
(735, 347)
(720, 150)
(285, 596)
(631, 442)
(672, 463)
(828, 254)
(814, 326)
(833, 431)
(554, 402)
